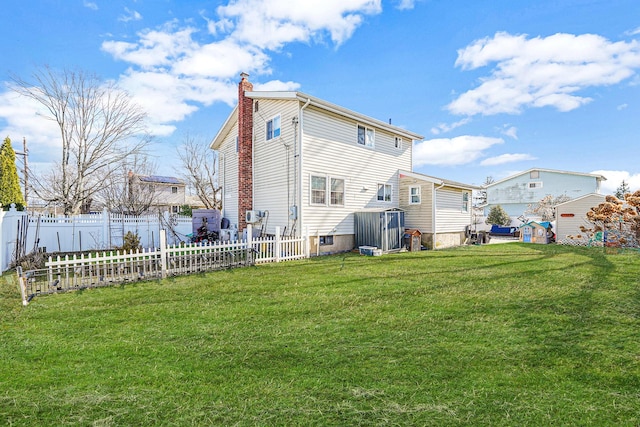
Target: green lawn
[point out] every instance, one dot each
(507, 334)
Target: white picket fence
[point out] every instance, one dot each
(111, 268)
(22, 233)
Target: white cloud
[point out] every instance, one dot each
(506, 158)
(444, 127)
(633, 32)
(622, 107)
(615, 178)
(24, 119)
(269, 24)
(90, 5)
(130, 15)
(405, 4)
(542, 71)
(452, 151)
(174, 70)
(510, 131)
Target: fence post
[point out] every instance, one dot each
(249, 241)
(106, 235)
(163, 254)
(277, 244)
(23, 286)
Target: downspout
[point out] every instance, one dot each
(435, 213)
(298, 183)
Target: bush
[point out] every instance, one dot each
(497, 215)
(131, 242)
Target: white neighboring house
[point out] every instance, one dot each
(441, 209)
(169, 192)
(295, 161)
(572, 215)
(516, 192)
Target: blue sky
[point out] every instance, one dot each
(495, 87)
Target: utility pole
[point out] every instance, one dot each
(25, 170)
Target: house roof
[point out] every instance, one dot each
(316, 102)
(601, 196)
(160, 179)
(439, 181)
(596, 176)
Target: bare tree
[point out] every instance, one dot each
(123, 192)
(546, 208)
(199, 171)
(99, 126)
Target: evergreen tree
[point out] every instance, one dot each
(497, 215)
(10, 191)
(622, 190)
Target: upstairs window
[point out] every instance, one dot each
(366, 136)
(537, 184)
(174, 190)
(414, 195)
(384, 192)
(465, 201)
(273, 128)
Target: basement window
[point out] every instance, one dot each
(326, 240)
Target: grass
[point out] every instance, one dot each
(495, 335)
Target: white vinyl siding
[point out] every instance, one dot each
(228, 176)
(328, 147)
(449, 216)
(273, 163)
(575, 216)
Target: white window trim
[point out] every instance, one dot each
(344, 190)
(279, 128)
(327, 190)
(311, 189)
(535, 184)
(419, 194)
(385, 193)
(465, 203)
(367, 129)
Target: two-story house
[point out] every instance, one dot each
(295, 161)
(157, 193)
(517, 192)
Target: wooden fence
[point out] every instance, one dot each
(114, 267)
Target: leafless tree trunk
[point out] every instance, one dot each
(199, 171)
(99, 127)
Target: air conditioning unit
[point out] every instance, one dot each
(253, 216)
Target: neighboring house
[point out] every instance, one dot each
(439, 208)
(516, 193)
(572, 215)
(166, 193)
(291, 160)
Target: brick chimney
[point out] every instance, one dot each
(245, 151)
